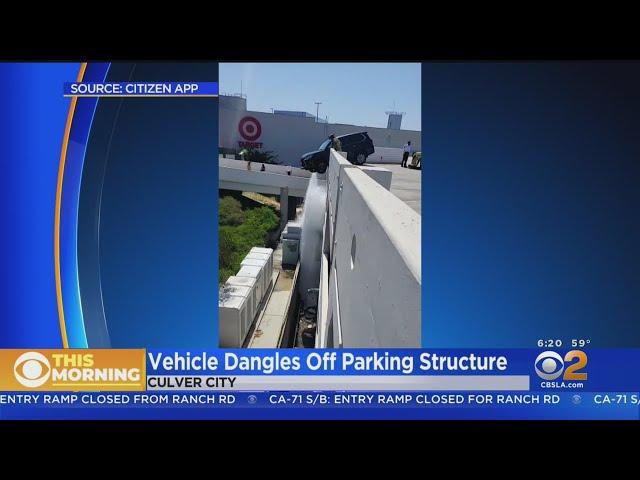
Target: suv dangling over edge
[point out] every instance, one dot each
(357, 147)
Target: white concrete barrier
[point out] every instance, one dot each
(232, 312)
(246, 293)
(242, 294)
(263, 261)
(335, 172)
(259, 182)
(250, 283)
(265, 251)
(256, 274)
(385, 155)
(262, 265)
(374, 280)
(269, 168)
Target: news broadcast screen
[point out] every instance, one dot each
(234, 240)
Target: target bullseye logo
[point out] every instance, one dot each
(250, 129)
(32, 369)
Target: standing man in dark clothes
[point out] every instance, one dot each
(407, 150)
(335, 143)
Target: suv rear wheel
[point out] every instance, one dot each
(360, 158)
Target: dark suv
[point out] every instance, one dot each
(357, 147)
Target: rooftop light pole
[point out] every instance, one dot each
(317, 110)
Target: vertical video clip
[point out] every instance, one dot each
(320, 205)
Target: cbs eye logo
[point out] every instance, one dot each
(32, 369)
(550, 365)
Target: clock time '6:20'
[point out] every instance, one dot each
(549, 343)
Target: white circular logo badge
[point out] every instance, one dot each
(549, 365)
(32, 369)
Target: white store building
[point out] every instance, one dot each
(290, 134)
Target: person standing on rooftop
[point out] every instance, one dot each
(407, 150)
(335, 143)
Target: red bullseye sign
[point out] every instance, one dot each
(250, 129)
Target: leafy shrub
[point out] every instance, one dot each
(259, 156)
(226, 247)
(230, 211)
(236, 240)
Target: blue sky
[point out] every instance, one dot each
(356, 93)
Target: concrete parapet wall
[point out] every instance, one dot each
(386, 155)
(234, 175)
(335, 171)
(269, 168)
(241, 296)
(375, 263)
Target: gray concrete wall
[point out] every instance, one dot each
(378, 266)
(233, 175)
(386, 155)
(374, 285)
(291, 136)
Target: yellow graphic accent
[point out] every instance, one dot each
(73, 370)
(573, 371)
(56, 228)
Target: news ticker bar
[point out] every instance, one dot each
(304, 383)
(387, 404)
(140, 89)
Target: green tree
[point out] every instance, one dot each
(226, 245)
(230, 211)
(259, 156)
(236, 240)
